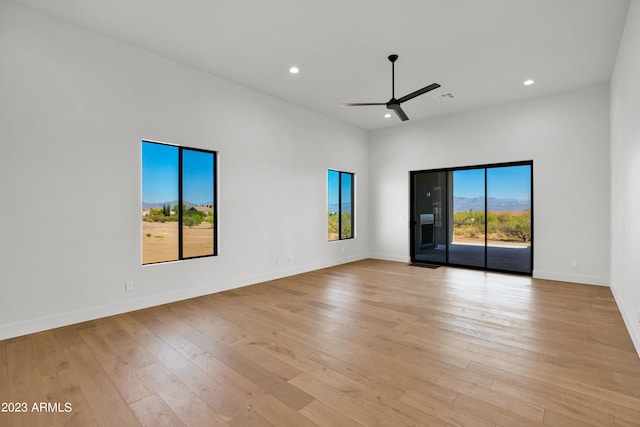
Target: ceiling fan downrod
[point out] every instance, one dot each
(393, 59)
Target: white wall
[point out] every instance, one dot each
(74, 107)
(567, 137)
(625, 175)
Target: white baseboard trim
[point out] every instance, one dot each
(391, 258)
(573, 278)
(83, 315)
(17, 329)
(632, 326)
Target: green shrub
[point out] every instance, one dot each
(191, 220)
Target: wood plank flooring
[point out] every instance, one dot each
(371, 343)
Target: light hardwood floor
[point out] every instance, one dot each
(371, 343)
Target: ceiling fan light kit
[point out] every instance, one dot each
(393, 103)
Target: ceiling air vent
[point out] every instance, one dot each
(444, 97)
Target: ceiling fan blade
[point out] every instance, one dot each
(360, 104)
(412, 95)
(400, 113)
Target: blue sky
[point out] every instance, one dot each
(333, 186)
(197, 177)
(512, 182)
(468, 183)
(160, 174)
(333, 179)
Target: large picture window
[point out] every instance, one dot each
(340, 205)
(178, 203)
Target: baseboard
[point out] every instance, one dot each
(390, 258)
(17, 329)
(632, 326)
(573, 278)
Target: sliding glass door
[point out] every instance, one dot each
(478, 217)
(430, 235)
(509, 218)
(467, 216)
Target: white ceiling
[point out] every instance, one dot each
(480, 50)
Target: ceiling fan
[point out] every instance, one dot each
(394, 104)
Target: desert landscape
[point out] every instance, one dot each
(160, 241)
(505, 228)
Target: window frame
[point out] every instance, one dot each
(180, 202)
(340, 201)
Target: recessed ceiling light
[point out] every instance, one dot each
(386, 116)
(294, 70)
(528, 82)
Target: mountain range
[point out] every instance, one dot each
(172, 203)
(333, 207)
(463, 204)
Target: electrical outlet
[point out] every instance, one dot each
(291, 260)
(128, 286)
(574, 263)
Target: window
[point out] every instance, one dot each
(178, 203)
(340, 205)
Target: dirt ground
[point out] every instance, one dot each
(490, 242)
(160, 241)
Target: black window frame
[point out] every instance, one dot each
(180, 203)
(352, 203)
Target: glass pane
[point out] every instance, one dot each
(159, 203)
(430, 229)
(333, 205)
(346, 201)
(468, 235)
(509, 218)
(197, 203)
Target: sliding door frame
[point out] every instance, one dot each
(413, 220)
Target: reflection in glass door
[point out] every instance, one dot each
(429, 237)
(479, 217)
